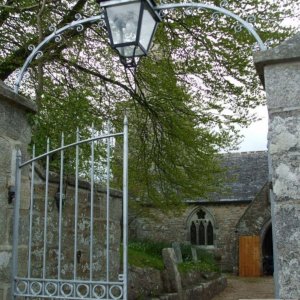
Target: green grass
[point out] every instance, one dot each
(149, 254)
(205, 263)
(186, 252)
(149, 247)
(146, 254)
(140, 259)
(200, 266)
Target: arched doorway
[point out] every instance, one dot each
(267, 251)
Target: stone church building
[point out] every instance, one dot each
(235, 226)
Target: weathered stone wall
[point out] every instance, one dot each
(257, 214)
(83, 231)
(174, 227)
(15, 134)
(149, 283)
(279, 69)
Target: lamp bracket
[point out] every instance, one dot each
(79, 23)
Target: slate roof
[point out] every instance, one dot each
(247, 172)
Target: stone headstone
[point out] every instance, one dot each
(194, 253)
(177, 250)
(170, 262)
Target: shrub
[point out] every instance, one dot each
(149, 247)
(146, 254)
(206, 261)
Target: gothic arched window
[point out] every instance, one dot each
(210, 234)
(193, 233)
(201, 227)
(201, 232)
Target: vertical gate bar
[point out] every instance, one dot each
(60, 206)
(197, 234)
(205, 233)
(16, 224)
(125, 207)
(46, 210)
(76, 205)
(31, 213)
(92, 206)
(101, 209)
(107, 203)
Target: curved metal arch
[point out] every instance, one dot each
(55, 35)
(78, 24)
(221, 10)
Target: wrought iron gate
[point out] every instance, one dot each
(69, 247)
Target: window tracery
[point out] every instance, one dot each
(202, 229)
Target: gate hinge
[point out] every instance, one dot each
(11, 194)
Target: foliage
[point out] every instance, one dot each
(146, 254)
(186, 253)
(149, 254)
(201, 265)
(150, 247)
(206, 261)
(184, 100)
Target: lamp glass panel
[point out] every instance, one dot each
(147, 28)
(123, 22)
(130, 51)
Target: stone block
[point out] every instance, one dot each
(287, 246)
(6, 263)
(22, 261)
(194, 253)
(2, 292)
(116, 209)
(195, 293)
(284, 134)
(6, 153)
(23, 226)
(25, 192)
(284, 145)
(286, 183)
(5, 266)
(8, 95)
(3, 226)
(144, 282)
(170, 263)
(171, 296)
(282, 85)
(13, 123)
(7, 293)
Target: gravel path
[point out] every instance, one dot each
(247, 288)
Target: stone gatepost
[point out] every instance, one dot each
(15, 134)
(279, 70)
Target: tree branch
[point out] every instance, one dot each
(40, 86)
(17, 58)
(98, 75)
(5, 14)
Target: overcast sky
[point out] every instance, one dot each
(255, 136)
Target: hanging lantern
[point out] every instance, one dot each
(131, 26)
